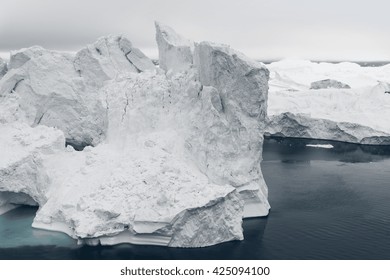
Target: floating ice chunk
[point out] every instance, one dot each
(323, 146)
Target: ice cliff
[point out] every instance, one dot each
(342, 102)
(173, 153)
(3, 67)
(304, 126)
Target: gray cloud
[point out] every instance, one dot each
(263, 29)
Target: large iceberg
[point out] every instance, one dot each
(172, 157)
(356, 113)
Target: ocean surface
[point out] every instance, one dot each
(361, 63)
(326, 204)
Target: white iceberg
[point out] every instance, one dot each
(359, 114)
(177, 157)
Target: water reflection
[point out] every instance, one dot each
(16, 230)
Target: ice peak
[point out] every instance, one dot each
(175, 51)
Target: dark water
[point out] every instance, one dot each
(361, 63)
(326, 204)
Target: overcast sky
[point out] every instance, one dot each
(263, 29)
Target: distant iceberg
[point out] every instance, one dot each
(355, 110)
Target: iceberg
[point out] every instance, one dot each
(303, 126)
(171, 157)
(331, 111)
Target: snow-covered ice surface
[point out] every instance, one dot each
(364, 108)
(175, 155)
